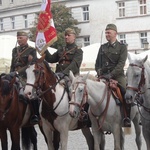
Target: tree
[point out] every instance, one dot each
(62, 19)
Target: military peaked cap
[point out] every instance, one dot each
(111, 27)
(22, 33)
(70, 31)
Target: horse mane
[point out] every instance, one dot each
(90, 77)
(5, 84)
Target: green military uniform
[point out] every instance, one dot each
(68, 58)
(20, 57)
(111, 59)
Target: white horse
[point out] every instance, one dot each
(54, 107)
(138, 90)
(104, 113)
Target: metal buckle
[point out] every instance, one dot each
(106, 64)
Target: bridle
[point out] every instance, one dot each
(142, 81)
(140, 85)
(39, 83)
(84, 98)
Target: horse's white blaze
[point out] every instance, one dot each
(30, 80)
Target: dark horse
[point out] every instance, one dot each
(13, 116)
(54, 107)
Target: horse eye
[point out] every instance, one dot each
(36, 71)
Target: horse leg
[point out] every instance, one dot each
(3, 136)
(56, 140)
(122, 139)
(102, 143)
(64, 138)
(89, 137)
(15, 137)
(117, 135)
(137, 127)
(48, 135)
(146, 135)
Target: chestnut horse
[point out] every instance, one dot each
(12, 116)
(54, 107)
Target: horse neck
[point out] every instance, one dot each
(95, 91)
(146, 87)
(56, 97)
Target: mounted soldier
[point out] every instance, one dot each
(22, 56)
(110, 62)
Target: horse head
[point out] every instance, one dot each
(6, 93)
(37, 75)
(135, 77)
(78, 94)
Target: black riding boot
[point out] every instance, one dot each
(35, 118)
(126, 120)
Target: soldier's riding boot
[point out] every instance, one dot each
(35, 118)
(127, 120)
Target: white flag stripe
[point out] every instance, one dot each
(44, 4)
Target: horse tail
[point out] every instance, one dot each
(29, 135)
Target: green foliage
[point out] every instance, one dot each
(62, 19)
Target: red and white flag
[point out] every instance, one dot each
(46, 32)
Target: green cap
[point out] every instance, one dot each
(22, 33)
(70, 31)
(111, 27)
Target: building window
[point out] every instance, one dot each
(143, 38)
(85, 13)
(11, 1)
(1, 25)
(86, 41)
(143, 8)
(121, 7)
(13, 22)
(122, 38)
(0, 2)
(25, 21)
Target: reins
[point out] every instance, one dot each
(38, 87)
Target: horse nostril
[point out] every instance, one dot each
(29, 93)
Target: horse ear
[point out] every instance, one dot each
(71, 75)
(144, 60)
(86, 76)
(13, 81)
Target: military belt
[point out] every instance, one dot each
(64, 62)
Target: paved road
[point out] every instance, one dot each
(77, 141)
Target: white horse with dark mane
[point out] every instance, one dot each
(104, 113)
(138, 90)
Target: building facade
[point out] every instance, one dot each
(131, 17)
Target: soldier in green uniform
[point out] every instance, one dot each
(110, 63)
(22, 55)
(69, 57)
